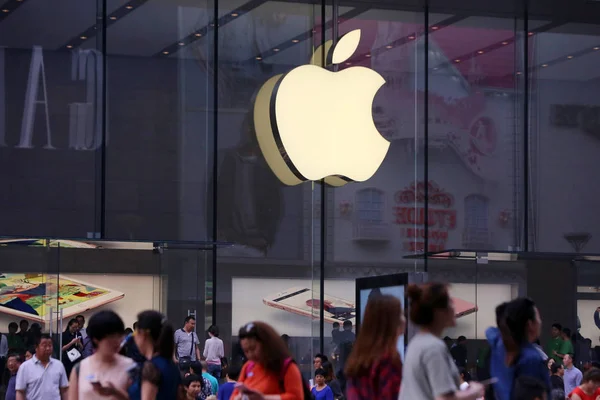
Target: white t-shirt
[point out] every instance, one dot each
(90, 370)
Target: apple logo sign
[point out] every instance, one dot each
(312, 123)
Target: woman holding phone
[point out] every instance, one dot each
(429, 370)
(71, 339)
(104, 374)
(269, 373)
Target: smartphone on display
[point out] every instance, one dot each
(463, 307)
(299, 300)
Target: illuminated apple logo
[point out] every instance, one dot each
(312, 123)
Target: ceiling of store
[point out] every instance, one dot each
(279, 32)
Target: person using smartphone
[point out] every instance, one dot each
(270, 373)
(71, 340)
(103, 375)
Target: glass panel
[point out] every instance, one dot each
(564, 141)
(159, 99)
(272, 225)
(186, 287)
(50, 117)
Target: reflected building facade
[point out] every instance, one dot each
(128, 148)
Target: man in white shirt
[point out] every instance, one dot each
(187, 346)
(42, 377)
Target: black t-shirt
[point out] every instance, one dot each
(557, 382)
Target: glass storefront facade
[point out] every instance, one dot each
(128, 148)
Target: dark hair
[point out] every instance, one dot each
(30, 349)
(189, 318)
(528, 388)
(18, 356)
(80, 316)
(557, 326)
(24, 321)
(213, 330)
(71, 322)
(461, 339)
(382, 317)
(13, 325)
(592, 374)
(103, 324)
(347, 324)
(128, 331)
(160, 331)
(336, 325)
(329, 372)
(323, 357)
(425, 300)
(274, 351)
(554, 368)
(196, 367)
(41, 337)
(465, 374)
(135, 325)
(320, 371)
(233, 372)
(512, 318)
(187, 381)
(567, 332)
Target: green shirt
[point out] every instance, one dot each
(554, 344)
(566, 347)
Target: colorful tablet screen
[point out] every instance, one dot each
(35, 294)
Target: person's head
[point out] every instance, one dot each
(568, 360)
(189, 323)
(43, 347)
(529, 388)
(462, 340)
(35, 328)
(154, 334)
(262, 344)
(24, 325)
(105, 329)
(232, 373)
(591, 380)
(431, 306)
(193, 385)
(80, 320)
(135, 324)
(196, 367)
(320, 376)
(213, 331)
(336, 326)
(557, 369)
(128, 331)
(556, 330)
(550, 363)
(384, 322)
(13, 362)
(72, 326)
(29, 353)
(566, 334)
(319, 360)
(347, 325)
(204, 366)
(13, 328)
(519, 323)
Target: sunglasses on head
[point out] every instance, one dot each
(248, 331)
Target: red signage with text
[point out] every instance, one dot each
(410, 210)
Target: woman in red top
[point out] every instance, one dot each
(269, 373)
(374, 368)
(589, 388)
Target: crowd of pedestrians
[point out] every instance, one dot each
(154, 361)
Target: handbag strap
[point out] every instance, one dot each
(192, 348)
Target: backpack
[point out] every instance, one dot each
(288, 361)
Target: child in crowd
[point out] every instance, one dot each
(192, 384)
(232, 373)
(321, 391)
(528, 388)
